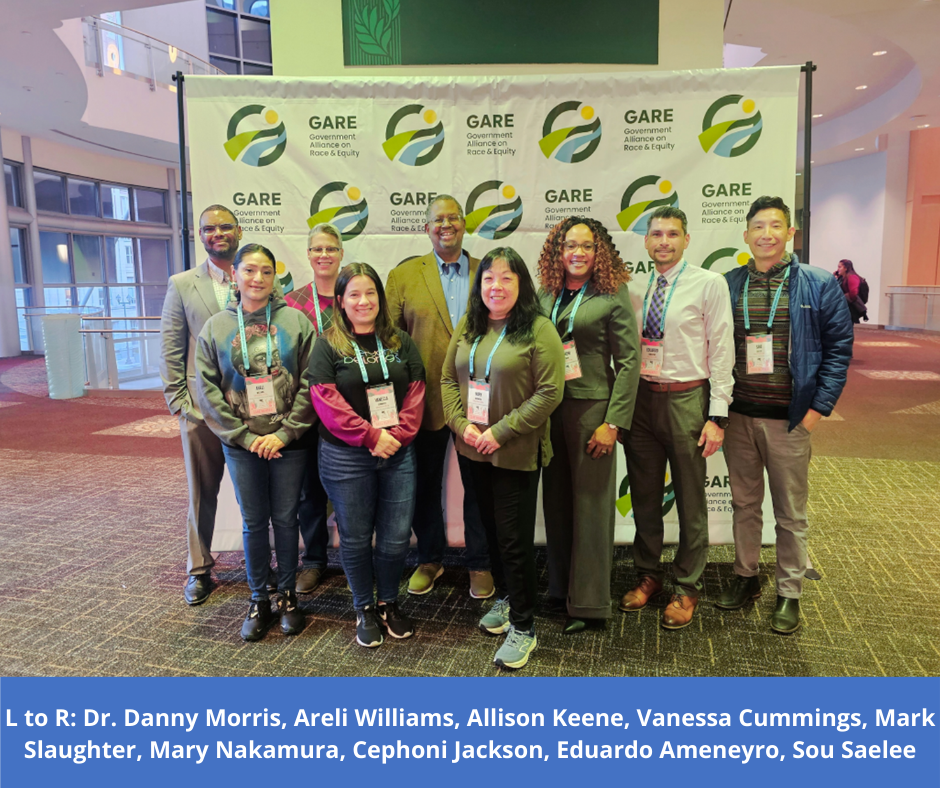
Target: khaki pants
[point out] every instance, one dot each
(751, 445)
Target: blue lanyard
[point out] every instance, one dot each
(574, 309)
(773, 309)
(316, 305)
(362, 363)
(244, 340)
(489, 361)
(646, 298)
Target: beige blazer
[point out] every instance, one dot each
(416, 301)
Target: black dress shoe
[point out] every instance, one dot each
(742, 590)
(257, 621)
(786, 617)
(293, 620)
(197, 589)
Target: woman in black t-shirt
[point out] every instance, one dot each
(367, 385)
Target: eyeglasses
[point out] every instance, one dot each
(208, 229)
(452, 218)
(324, 249)
(587, 246)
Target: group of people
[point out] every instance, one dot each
(349, 391)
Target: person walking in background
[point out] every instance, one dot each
(855, 290)
(584, 287)
(503, 376)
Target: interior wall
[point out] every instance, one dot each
(307, 40)
(922, 263)
(181, 24)
(848, 204)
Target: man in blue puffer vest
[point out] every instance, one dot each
(793, 343)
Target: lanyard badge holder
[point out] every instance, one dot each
(260, 389)
(478, 391)
(652, 351)
(382, 406)
(572, 362)
(759, 348)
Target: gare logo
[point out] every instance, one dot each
(256, 147)
(640, 200)
(418, 145)
(349, 216)
(733, 137)
(570, 144)
(494, 221)
(726, 259)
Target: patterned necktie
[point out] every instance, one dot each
(655, 314)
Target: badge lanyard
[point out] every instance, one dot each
(362, 363)
(646, 298)
(773, 309)
(382, 406)
(316, 306)
(574, 309)
(244, 340)
(489, 361)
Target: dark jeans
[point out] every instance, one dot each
(370, 496)
(312, 516)
(268, 491)
(428, 523)
(508, 501)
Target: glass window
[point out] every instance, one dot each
(150, 206)
(11, 176)
(256, 40)
(50, 191)
(18, 248)
(116, 202)
(228, 66)
(154, 296)
(257, 7)
(228, 5)
(86, 258)
(223, 33)
(83, 197)
(54, 251)
(22, 300)
(154, 260)
(124, 303)
(91, 300)
(58, 297)
(254, 68)
(119, 258)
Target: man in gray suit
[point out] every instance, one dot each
(192, 297)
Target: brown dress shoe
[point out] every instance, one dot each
(679, 611)
(639, 596)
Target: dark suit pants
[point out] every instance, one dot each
(205, 464)
(667, 426)
(508, 502)
(578, 503)
(428, 523)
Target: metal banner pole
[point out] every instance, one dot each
(184, 191)
(808, 69)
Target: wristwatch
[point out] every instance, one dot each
(613, 426)
(721, 421)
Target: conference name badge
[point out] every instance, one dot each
(382, 406)
(478, 402)
(760, 354)
(651, 357)
(572, 362)
(260, 395)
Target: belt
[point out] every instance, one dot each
(673, 386)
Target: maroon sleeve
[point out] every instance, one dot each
(340, 419)
(410, 415)
(853, 282)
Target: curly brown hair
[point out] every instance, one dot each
(609, 271)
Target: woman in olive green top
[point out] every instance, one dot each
(584, 289)
(503, 377)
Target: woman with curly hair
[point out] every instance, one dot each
(585, 292)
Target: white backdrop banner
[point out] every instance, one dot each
(519, 153)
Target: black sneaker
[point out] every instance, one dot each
(257, 621)
(397, 623)
(293, 620)
(368, 631)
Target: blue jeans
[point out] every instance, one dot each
(268, 491)
(370, 496)
(428, 522)
(312, 516)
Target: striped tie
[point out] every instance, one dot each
(655, 314)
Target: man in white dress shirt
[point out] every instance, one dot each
(687, 358)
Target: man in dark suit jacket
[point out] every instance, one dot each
(192, 297)
(427, 297)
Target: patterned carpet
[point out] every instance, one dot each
(93, 558)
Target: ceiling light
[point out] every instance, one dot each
(818, 115)
(879, 53)
(924, 126)
(862, 87)
(859, 149)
